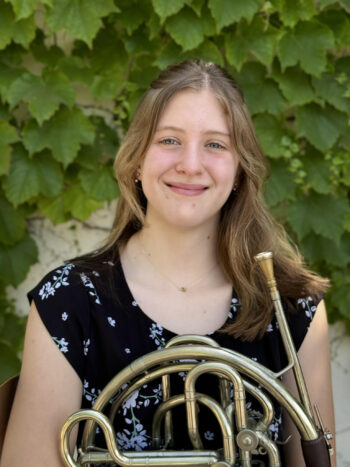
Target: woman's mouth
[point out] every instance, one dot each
(187, 189)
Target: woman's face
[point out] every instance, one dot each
(189, 170)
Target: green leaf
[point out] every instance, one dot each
(74, 68)
(325, 3)
(332, 91)
(318, 171)
(345, 4)
(100, 184)
(270, 134)
(12, 329)
(257, 38)
(186, 29)
(318, 249)
(80, 18)
(321, 126)
(307, 44)
(16, 260)
(109, 52)
(280, 185)
(79, 204)
(168, 55)
(340, 297)
(338, 23)
(107, 86)
(10, 364)
(24, 8)
(207, 51)
(154, 26)
(12, 223)
(164, 8)
(7, 76)
(132, 16)
(261, 94)
(64, 133)
(8, 135)
(43, 94)
(22, 184)
(197, 6)
(53, 208)
(321, 214)
(295, 86)
(22, 31)
(344, 140)
(103, 149)
(293, 11)
(226, 12)
(29, 177)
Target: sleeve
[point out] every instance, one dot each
(299, 321)
(62, 302)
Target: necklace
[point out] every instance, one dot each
(179, 288)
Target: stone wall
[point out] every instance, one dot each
(58, 243)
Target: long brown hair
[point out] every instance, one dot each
(246, 227)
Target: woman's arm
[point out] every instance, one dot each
(48, 391)
(314, 356)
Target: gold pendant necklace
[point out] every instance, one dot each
(181, 288)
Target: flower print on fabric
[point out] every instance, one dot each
(62, 344)
(308, 305)
(86, 346)
(156, 334)
(90, 394)
(64, 316)
(60, 278)
(135, 437)
(88, 283)
(111, 321)
(274, 428)
(209, 435)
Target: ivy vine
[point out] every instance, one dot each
(72, 71)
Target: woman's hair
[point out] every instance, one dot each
(245, 228)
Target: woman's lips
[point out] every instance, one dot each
(187, 189)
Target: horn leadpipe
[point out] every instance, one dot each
(265, 261)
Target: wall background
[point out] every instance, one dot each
(58, 243)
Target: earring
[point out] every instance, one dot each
(137, 179)
(235, 186)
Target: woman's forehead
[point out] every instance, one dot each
(194, 108)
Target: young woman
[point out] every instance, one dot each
(179, 260)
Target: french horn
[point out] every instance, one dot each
(242, 438)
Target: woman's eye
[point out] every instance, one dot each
(216, 145)
(169, 141)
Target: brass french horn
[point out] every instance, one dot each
(242, 438)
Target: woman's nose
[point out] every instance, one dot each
(190, 160)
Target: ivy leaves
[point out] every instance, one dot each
(63, 134)
(42, 94)
(81, 18)
(307, 44)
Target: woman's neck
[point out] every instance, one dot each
(182, 256)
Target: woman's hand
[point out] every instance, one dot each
(48, 391)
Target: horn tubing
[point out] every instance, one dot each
(246, 366)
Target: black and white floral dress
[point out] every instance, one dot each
(100, 334)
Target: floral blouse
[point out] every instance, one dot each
(100, 334)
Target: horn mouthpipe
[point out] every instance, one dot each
(265, 261)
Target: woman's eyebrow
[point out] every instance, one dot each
(207, 132)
